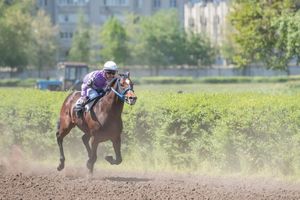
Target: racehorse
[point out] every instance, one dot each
(102, 123)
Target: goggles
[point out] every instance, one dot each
(110, 72)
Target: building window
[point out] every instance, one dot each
(138, 3)
(156, 3)
(173, 3)
(66, 35)
(216, 19)
(45, 2)
(73, 2)
(202, 20)
(115, 2)
(66, 18)
(191, 22)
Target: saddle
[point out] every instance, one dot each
(93, 98)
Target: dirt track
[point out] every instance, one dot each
(72, 184)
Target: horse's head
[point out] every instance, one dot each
(124, 89)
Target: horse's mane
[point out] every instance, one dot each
(113, 81)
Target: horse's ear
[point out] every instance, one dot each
(127, 74)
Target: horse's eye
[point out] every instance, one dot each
(128, 81)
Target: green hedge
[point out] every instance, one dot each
(233, 79)
(248, 79)
(18, 83)
(248, 132)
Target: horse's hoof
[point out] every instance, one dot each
(117, 162)
(89, 176)
(109, 159)
(90, 167)
(60, 167)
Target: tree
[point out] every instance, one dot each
(27, 37)
(113, 39)
(15, 23)
(44, 42)
(258, 35)
(289, 35)
(81, 43)
(157, 33)
(199, 50)
(159, 41)
(132, 29)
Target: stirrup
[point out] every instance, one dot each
(79, 110)
(79, 113)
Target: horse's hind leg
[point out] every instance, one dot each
(85, 139)
(63, 129)
(93, 158)
(117, 147)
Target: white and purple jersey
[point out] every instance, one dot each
(95, 80)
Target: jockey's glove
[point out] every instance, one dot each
(100, 90)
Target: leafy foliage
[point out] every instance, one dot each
(262, 32)
(27, 37)
(14, 34)
(289, 32)
(161, 41)
(44, 44)
(81, 43)
(198, 50)
(113, 38)
(239, 132)
(154, 41)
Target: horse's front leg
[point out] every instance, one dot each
(93, 157)
(117, 147)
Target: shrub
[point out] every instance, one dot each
(240, 132)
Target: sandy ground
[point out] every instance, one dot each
(73, 183)
(21, 180)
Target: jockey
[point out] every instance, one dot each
(95, 81)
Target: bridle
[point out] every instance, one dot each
(121, 92)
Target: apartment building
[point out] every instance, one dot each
(64, 13)
(207, 16)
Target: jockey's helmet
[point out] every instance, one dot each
(110, 66)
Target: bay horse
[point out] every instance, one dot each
(102, 123)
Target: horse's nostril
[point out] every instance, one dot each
(132, 98)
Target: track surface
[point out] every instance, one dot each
(73, 184)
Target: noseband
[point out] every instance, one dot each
(119, 92)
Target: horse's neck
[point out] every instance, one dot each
(112, 103)
(116, 101)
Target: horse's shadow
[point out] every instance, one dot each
(127, 179)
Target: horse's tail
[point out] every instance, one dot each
(58, 124)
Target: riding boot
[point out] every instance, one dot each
(79, 107)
